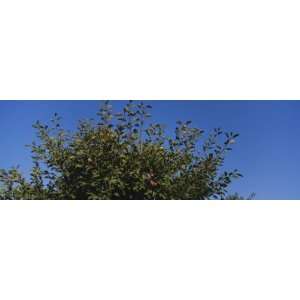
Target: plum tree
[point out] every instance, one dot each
(123, 156)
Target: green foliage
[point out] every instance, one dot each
(123, 156)
(236, 196)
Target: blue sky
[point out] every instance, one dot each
(266, 153)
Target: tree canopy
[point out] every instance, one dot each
(123, 156)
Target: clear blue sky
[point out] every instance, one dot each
(266, 153)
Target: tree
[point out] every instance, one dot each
(236, 196)
(123, 156)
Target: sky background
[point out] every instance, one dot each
(266, 153)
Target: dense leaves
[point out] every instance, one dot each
(123, 156)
